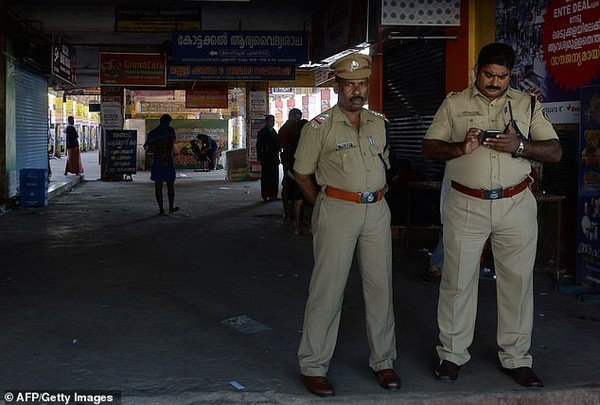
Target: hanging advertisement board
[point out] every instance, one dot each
(246, 73)
(133, 69)
(157, 19)
(63, 62)
(240, 47)
(207, 97)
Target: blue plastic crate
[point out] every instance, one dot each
(34, 174)
(40, 201)
(33, 192)
(33, 183)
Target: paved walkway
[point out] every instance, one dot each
(99, 292)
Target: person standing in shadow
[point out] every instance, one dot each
(160, 141)
(288, 134)
(295, 193)
(489, 197)
(267, 150)
(73, 154)
(341, 163)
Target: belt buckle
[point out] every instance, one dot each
(494, 194)
(369, 198)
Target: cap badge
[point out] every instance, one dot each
(354, 65)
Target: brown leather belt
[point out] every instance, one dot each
(493, 194)
(357, 197)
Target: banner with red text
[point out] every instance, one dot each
(558, 50)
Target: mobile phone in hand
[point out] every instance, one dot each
(490, 133)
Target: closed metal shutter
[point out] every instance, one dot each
(32, 121)
(414, 88)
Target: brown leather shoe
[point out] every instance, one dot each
(387, 378)
(447, 371)
(318, 385)
(524, 376)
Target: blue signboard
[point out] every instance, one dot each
(230, 72)
(240, 47)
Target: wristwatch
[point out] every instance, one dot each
(519, 150)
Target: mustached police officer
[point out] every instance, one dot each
(340, 167)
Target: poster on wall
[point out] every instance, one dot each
(187, 130)
(259, 107)
(588, 234)
(112, 115)
(552, 39)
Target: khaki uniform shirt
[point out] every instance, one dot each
(486, 168)
(342, 157)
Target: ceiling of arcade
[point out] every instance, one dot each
(90, 26)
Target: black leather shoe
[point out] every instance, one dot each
(446, 371)
(388, 378)
(318, 385)
(524, 376)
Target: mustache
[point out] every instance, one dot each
(492, 87)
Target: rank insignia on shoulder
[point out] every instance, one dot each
(376, 113)
(319, 120)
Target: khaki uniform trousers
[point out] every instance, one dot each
(511, 224)
(339, 227)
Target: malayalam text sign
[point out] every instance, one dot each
(571, 41)
(156, 19)
(230, 72)
(207, 97)
(63, 62)
(120, 152)
(240, 47)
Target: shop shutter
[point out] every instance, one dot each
(31, 120)
(414, 87)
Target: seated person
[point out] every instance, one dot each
(210, 148)
(200, 155)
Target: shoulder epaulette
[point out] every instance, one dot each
(376, 113)
(319, 120)
(451, 94)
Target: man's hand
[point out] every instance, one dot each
(442, 150)
(472, 140)
(506, 142)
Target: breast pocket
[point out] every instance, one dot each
(464, 122)
(344, 158)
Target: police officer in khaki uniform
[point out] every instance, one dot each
(489, 197)
(340, 167)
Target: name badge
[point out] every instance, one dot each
(344, 145)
